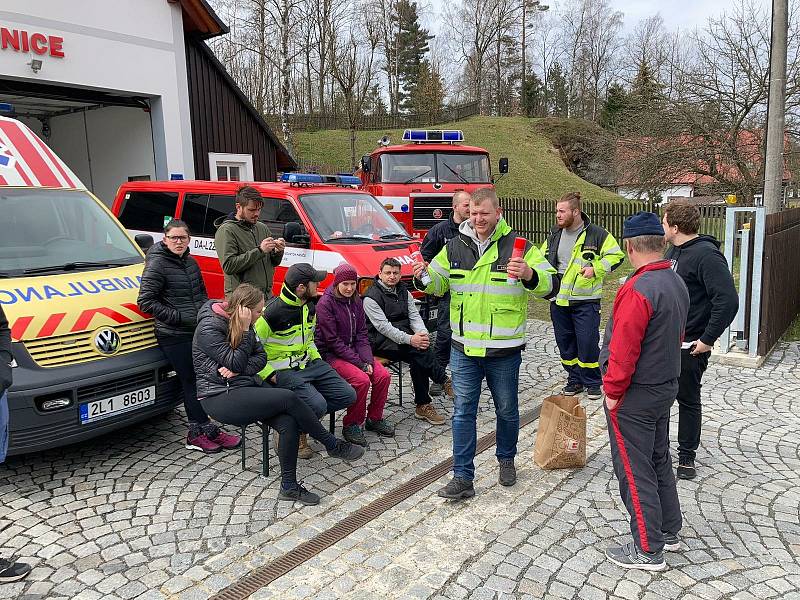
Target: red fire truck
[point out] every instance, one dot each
(416, 180)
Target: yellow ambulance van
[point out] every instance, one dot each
(85, 357)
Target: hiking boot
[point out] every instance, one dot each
(354, 434)
(203, 444)
(448, 388)
(228, 441)
(436, 389)
(346, 451)
(572, 389)
(304, 451)
(382, 427)
(594, 393)
(426, 412)
(457, 489)
(671, 541)
(508, 472)
(629, 556)
(298, 493)
(686, 468)
(11, 571)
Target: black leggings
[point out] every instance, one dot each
(178, 351)
(280, 409)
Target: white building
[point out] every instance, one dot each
(127, 89)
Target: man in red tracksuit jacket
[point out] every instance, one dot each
(641, 363)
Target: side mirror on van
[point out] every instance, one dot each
(144, 241)
(366, 163)
(503, 166)
(293, 234)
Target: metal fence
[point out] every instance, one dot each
(319, 122)
(535, 217)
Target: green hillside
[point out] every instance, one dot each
(535, 169)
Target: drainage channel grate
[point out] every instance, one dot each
(279, 567)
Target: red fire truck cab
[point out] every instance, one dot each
(416, 180)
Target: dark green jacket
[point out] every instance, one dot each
(242, 260)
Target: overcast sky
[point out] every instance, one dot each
(683, 14)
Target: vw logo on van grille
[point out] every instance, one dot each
(107, 341)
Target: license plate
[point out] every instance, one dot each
(115, 405)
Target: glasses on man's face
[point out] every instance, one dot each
(177, 238)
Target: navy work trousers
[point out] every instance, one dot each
(577, 329)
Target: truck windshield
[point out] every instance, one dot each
(432, 167)
(350, 217)
(50, 231)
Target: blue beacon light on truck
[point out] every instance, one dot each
(433, 135)
(317, 179)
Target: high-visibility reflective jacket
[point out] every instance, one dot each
(595, 247)
(286, 330)
(487, 315)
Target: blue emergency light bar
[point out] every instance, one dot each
(316, 178)
(433, 135)
(5, 107)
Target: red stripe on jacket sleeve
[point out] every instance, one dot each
(632, 312)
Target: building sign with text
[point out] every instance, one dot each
(19, 40)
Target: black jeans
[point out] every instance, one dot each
(443, 331)
(690, 411)
(279, 409)
(178, 351)
(423, 366)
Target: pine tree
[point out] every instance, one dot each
(428, 95)
(614, 107)
(533, 97)
(558, 91)
(412, 48)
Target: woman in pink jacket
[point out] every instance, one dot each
(341, 338)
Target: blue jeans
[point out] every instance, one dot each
(502, 376)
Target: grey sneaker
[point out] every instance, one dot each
(382, 427)
(298, 493)
(436, 389)
(354, 434)
(629, 556)
(457, 489)
(346, 451)
(594, 393)
(671, 542)
(11, 571)
(572, 389)
(508, 473)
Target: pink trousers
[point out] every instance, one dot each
(380, 379)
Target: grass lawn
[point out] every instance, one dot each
(535, 168)
(540, 309)
(793, 333)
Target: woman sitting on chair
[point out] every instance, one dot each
(227, 355)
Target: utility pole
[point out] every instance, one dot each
(776, 109)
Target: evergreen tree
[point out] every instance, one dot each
(646, 91)
(558, 91)
(614, 107)
(533, 96)
(412, 48)
(428, 95)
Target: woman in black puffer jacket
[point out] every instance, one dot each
(173, 292)
(227, 358)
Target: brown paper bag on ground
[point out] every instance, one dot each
(561, 437)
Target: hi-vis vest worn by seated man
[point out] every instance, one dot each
(286, 330)
(594, 247)
(487, 315)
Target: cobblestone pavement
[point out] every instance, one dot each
(135, 515)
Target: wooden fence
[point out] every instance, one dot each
(318, 122)
(780, 284)
(535, 217)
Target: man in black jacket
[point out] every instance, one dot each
(714, 303)
(434, 241)
(10, 571)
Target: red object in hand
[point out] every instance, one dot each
(519, 252)
(417, 256)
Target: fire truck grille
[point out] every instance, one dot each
(426, 206)
(72, 348)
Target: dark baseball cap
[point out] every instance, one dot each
(302, 273)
